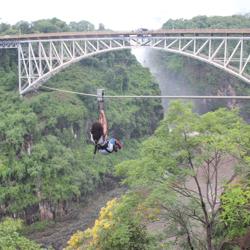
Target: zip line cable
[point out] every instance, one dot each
(179, 97)
(150, 96)
(69, 91)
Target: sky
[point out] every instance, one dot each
(118, 15)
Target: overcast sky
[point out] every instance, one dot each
(118, 15)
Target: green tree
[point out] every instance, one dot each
(119, 226)
(234, 21)
(235, 210)
(11, 238)
(81, 26)
(23, 27)
(180, 167)
(49, 25)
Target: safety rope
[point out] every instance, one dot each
(150, 96)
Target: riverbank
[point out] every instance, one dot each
(80, 217)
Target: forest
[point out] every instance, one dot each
(186, 172)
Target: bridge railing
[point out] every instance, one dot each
(6, 44)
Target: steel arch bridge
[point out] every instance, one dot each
(41, 56)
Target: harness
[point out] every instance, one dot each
(102, 147)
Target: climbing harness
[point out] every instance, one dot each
(102, 147)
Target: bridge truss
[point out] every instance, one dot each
(38, 60)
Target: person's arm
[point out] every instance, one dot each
(103, 121)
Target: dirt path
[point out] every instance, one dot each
(79, 218)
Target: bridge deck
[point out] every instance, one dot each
(153, 33)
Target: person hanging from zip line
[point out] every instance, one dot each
(99, 133)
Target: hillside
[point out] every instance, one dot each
(45, 152)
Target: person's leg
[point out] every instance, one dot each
(103, 121)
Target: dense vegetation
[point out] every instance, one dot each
(46, 158)
(181, 167)
(37, 131)
(11, 238)
(119, 226)
(193, 172)
(215, 22)
(179, 177)
(45, 26)
(176, 176)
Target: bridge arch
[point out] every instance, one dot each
(27, 87)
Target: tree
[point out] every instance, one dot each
(119, 227)
(235, 210)
(181, 167)
(49, 25)
(11, 239)
(81, 26)
(23, 27)
(234, 21)
(4, 27)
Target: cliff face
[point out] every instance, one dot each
(178, 75)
